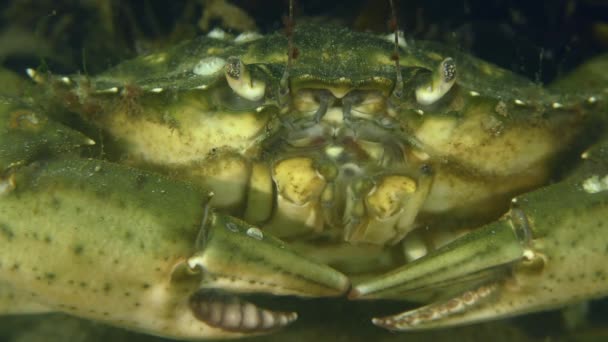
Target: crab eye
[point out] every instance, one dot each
(241, 82)
(441, 82)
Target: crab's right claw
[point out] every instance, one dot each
(237, 257)
(547, 252)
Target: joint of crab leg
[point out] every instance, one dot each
(236, 315)
(441, 82)
(240, 80)
(236, 257)
(7, 184)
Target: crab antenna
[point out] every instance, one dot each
(289, 26)
(394, 26)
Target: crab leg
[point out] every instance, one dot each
(111, 243)
(561, 260)
(26, 134)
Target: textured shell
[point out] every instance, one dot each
(317, 46)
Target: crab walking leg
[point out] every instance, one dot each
(564, 260)
(27, 134)
(115, 244)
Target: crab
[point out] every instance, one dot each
(170, 192)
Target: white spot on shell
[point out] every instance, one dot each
(156, 90)
(247, 37)
(34, 75)
(109, 90)
(255, 233)
(556, 105)
(202, 86)
(209, 66)
(474, 93)
(519, 102)
(592, 99)
(594, 184)
(419, 111)
(66, 80)
(391, 38)
(217, 33)
(30, 72)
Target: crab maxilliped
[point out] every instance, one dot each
(164, 193)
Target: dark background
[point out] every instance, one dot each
(541, 39)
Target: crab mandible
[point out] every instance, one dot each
(323, 167)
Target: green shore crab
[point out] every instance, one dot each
(229, 167)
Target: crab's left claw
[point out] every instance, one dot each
(548, 251)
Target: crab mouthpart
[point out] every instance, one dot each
(230, 313)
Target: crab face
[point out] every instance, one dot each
(228, 169)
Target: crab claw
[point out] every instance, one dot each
(471, 258)
(236, 257)
(550, 248)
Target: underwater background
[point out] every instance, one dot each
(541, 39)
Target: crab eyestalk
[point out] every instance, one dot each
(240, 80)
(441, 82)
